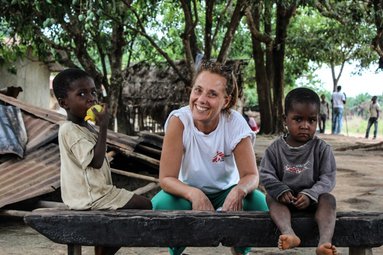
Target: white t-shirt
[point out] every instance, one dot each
(208, 162)
(374, 108)
(337, 99)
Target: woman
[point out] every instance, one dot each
(207, 160)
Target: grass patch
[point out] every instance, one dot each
(356, 126)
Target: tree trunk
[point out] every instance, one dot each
(278, 61)
(284, 15)
(269, 62)
(263, 68)
(263, 89)
(120, 120)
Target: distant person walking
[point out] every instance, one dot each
(338, 100)
(324, 114)
(374, 109)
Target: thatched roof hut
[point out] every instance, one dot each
(155, 89)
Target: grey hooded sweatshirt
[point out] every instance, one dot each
(309, 169)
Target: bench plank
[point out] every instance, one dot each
(145, 228)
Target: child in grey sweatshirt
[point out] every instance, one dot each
(298, 172)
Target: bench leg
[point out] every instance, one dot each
(360, 251)
(74, 249)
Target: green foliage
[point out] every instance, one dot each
(10, 50)
(64, 29)
(250, 96)
(313, 37)
(87, 31)
(241, 47)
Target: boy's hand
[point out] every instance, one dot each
(287, 198)
(302, 201)
(102, 120)
(102, 117)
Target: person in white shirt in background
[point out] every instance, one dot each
(338, 100)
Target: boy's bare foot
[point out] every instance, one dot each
(288, 242)
(326, 249)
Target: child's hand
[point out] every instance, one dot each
(287, 198)
(302, 201)
(102, 117)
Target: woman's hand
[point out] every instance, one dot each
(200, 202)
(234, 200)
(248, 175)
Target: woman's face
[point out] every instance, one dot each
(207, 99)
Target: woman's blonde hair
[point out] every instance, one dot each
(225, 71)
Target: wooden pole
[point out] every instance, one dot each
(134, 175)
(13, 213)
(146, 188)
(360, 251)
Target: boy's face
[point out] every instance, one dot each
(301, 122)
(81, 95)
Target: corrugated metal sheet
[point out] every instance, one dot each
(39, 132)
(38, 173)
(117, 140)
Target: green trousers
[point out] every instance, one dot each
(254, 201)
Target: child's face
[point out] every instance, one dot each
(301, 122)
(81, 95)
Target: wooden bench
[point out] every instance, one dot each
(144, 228)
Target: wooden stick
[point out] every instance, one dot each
(51, 204)
(14, 213)
(361, 146)
(143, 158)
(149, 149)
(146, 188)
(134, 175)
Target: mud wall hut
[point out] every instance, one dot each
(152, 91)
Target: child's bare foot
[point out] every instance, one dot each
(288, 242)
(326, 249)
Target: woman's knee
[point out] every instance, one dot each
(166, 201)
(256, 201)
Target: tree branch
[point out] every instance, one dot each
(208, 27)
(142, 32)
(253, 28)
(235, 19)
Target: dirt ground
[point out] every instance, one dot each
(359, 188)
